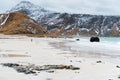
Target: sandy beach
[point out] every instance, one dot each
(53, 51)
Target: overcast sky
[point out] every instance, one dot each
(102, 7)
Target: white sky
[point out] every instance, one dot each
(102, 7)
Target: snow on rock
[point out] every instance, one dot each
(68, 27)
(32, 10)
(1, 16)
(4, 21)
(97, 31)
(84, 29)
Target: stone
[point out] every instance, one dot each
(118, 66)
(99, 62)
(10, 64)
(77, 39)
(94, 39)
(118, 77)
(25, 70)
(50, 71)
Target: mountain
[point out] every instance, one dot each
(66, 24)
(34, 11)
(19, 23)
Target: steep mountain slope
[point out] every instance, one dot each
(81, 24)
(34, 11)
(19, 23)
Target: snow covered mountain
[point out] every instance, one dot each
(34, 11)
(82, 24)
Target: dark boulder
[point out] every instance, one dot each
(94, 39)
(99, 62)
(77, 39)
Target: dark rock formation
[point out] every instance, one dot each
(77, 39)
(94, 39)
(10, 65)
(118, 66)
(32, 69)
(99, 62)
(119, 77)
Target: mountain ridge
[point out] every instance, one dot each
(86, 24)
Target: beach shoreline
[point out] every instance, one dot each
(53, 51)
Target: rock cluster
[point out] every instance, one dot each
(33, 69)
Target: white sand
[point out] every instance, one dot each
(42, 53)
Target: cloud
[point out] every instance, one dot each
(100, 7)
(105, 7)
(5, 5)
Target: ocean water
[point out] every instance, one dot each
(108, 46)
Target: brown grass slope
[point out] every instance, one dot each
(19, 23)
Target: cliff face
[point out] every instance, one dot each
(19, 23)
(86, 24)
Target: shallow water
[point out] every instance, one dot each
(108, 46)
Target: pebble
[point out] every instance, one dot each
(99, 62)
(118, 66)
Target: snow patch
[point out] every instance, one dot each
(34, 31)
(1, 16)
(67, 27)
(5, 20)
(97, 31)
(82, 29)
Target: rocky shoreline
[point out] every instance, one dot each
(35, 69)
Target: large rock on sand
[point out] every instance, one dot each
(94, 39)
